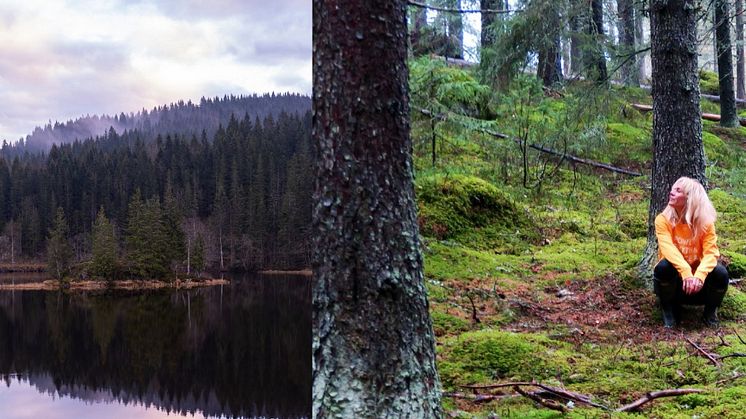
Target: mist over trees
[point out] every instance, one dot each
(242, 193)
(185, 118)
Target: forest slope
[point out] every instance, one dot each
(530, 260)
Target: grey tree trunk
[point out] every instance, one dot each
(455, 32)
(728, 113)
(677, 127)
(740, 73)
(576, 52)
(549, 68)
(629, 70)
(597, 64)
(639, 38)
(373, 347)
(417, 40)
(488, 19)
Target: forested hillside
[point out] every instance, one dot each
(184, 118)
(229, 179)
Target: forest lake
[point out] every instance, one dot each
(240, 347)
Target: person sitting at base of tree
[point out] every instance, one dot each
(688, 270)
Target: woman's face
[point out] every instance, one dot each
(677, 197)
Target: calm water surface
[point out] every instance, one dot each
(241, 350)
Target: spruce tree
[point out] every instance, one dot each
(104, 261)
(59, 252)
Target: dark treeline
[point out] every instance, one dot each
(239, 199)
(182, 117)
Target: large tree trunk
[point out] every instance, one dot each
(455, 32)
(677, 128)
(417, 39)
(629, 70)
(373, 348)
(549, 67)
(488, 19)
(740, 84)
(596, 30)
(728, 113)
(639, 38)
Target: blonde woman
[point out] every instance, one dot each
(688, 270)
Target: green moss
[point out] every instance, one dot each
(628, 145)
(449, 260)
(731, 210)
(734, 305)
(737, 265)
(471, 211)
(489, 355)
(708, 82)
(444, 323)
(715, 149)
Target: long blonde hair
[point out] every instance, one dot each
(698, 213)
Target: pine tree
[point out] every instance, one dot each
(59, 252)
(104, 262)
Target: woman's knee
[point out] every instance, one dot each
(665, 271)
(719, 276)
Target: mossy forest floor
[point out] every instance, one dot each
(534, 277)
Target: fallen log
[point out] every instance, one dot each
(543, 149)
(656, 395)
(741, 103)
(707, 116)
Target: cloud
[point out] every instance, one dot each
(60, 60)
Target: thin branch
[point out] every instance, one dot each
(733, 355)
(565, 394)
(655, 395)
(725, 380)
(551, 404)
(543, 149)
(705, 353)
(739, 336)
(445, 9)
(706, 116)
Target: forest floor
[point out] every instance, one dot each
(531, 263)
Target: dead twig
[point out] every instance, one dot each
(738, 336)
(725, 380)
(733, 355)
(705, 353)
(478, 397)
(556, 391)
(656, 395)
(551, 404)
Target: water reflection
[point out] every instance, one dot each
(241, 350)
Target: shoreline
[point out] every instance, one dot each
(304, 272)
(91, 285)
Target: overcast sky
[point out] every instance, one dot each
(61, 59)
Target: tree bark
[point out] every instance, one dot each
(416, 35)
(677, 127)
(639, 38)
(728, 113)
(373, 348)
(488, 20)
(630, 72)
(596, 28)
(455, 32)
(740, 73)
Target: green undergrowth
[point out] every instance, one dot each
(498, 221)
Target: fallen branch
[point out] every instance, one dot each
(477, 397)
(725, 380)
(705, 353)
(656, 395)
(568, 395)
(551, 404)
(735, 280)
(733, 355)
(739, 336)
(707, 116)
(713, 98)
(543, 149)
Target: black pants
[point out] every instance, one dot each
(665, 276)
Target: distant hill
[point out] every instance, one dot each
(183, 118)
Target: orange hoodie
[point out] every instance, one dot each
(676, 244)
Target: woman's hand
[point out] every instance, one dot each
(691, 285)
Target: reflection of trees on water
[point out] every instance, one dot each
(240, 350)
